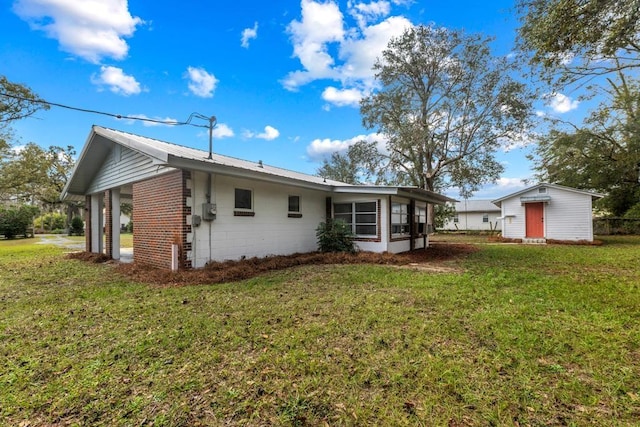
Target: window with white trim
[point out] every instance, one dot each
(361, 216)
(456, 218)
(485, 217)
(399, 219)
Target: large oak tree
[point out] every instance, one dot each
(576, 39)
(445, 105)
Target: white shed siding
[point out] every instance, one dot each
(124, 166)
(513, 225)
(568, 216)
(269, 232)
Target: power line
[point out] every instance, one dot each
(103, 113)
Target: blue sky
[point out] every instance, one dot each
(283, 78)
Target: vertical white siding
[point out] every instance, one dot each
(513, 225)
(568, 216)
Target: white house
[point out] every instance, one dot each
(191, 207)
(548, 211)
(474, 215)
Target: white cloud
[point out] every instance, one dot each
(328, 49)
(360, 51)
(248, 34)
(320, 149)
(320, 25)
(342, 97)
(510, 184)
(222, 131)
(117, 81)
(201, 83)
(270, 133)
(367, 12)
(91, 29)
(560, 103)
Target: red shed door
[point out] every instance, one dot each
(534, 217)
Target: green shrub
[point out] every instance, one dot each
(130, 227)
(15, 220)
(50, 221)
(335, 236)
(77, 226)
(634, 212)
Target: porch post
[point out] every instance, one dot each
(96, 222)
(115, 223)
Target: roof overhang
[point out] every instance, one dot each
(535, 199)
(408, 192)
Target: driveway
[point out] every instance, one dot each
(63, 241)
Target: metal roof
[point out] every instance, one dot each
(475, 205)
(498, 202)
(101, 140)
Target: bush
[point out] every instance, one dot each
(130, 227)
(50, 221)
(335, 236)
(77, 226)
(634, 212)
(15, 220)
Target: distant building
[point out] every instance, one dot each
(548, 211)
(474, 215)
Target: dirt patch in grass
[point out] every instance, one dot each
(430, 259)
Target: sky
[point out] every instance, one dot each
(282, 78)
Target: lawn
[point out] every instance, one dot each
(514, 335)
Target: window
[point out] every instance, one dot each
(485, 217)
(542, 190)
(399, 219)
(294, 207)
(294, 204)
(363, 217)
(456, 218)
(421, 218)
(244, 199)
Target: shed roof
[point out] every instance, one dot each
(101, 140)
(498, 202)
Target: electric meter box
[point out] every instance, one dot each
(209, 211)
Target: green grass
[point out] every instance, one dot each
(527, 335)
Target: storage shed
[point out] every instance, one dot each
(548, 211)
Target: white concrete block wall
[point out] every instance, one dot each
(269, 232)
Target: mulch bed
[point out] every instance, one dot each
(229, 271)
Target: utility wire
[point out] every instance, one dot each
(117, 116)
